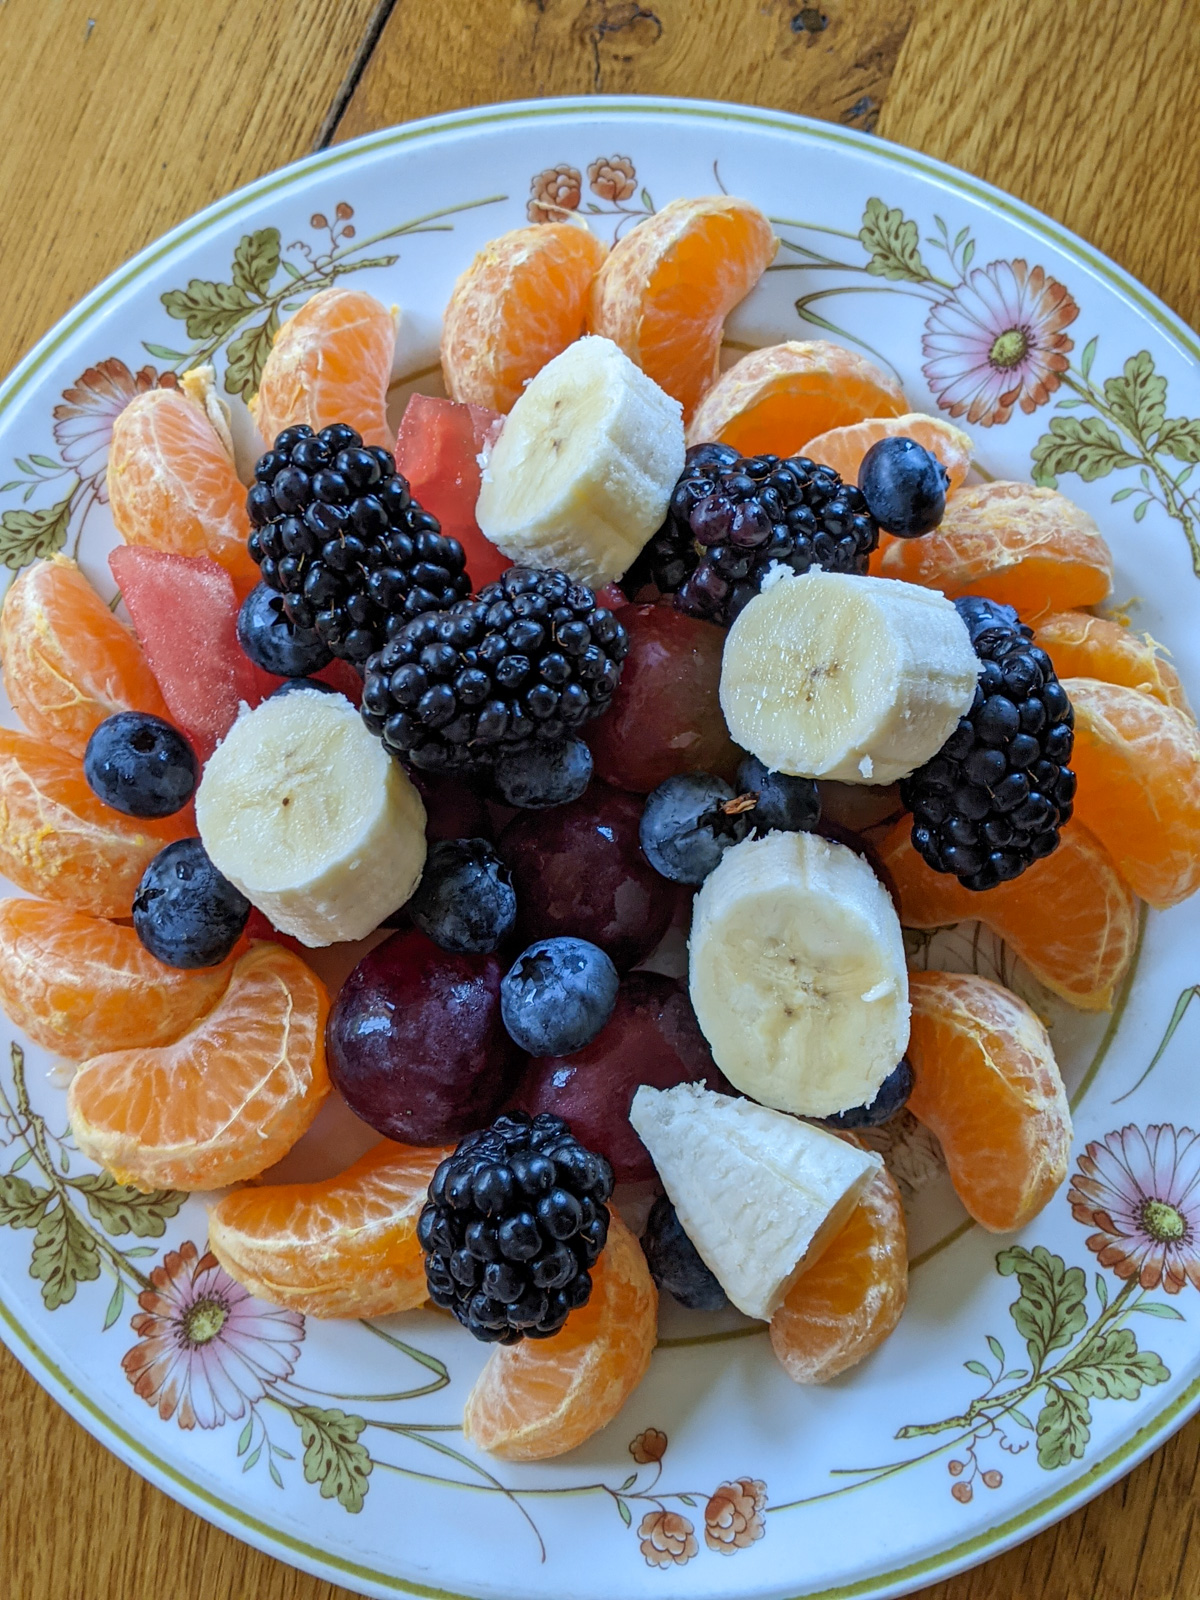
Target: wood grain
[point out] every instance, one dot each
(1085, 108)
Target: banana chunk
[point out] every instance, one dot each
(583, 471)
(305, 811)
(797, 974)
(861, 680)
(759, 1194)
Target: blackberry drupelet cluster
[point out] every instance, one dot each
(530, 657)
(731, 516)
(992, 801)
(338, 534)
(514, 1220)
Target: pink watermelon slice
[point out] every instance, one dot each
(438, 450)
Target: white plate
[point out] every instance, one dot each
(335, 1447)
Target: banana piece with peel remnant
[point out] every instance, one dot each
(308, 815)
(862, 680)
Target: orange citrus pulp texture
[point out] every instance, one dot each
(80, 986)
(1138, 764)
(540, 1398)
(345, 1247)
(223, 1102)
(1070, 917)
(68, 663)
(1083, 646)
(173, 486)
(332, 362)
(844, 448)
(846, 1305)
(666, 288)
(987, 1084)
(520, 303)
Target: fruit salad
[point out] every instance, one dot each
(602, 650)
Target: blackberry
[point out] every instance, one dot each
(532, 656)
(514, 1220)
(731, 516)
(338, 534)
(992, 801)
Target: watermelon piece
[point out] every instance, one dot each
(340, 675)
(184, 610)
(438, 451)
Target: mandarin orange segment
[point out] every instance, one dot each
(845, 1306)
(542, 1397)
(345, 1247)
(80, 985)
(1083, 646)
(1023, 546)
(57, 840)
(844, 448)
(773, 401)
(987, 1084)
(520, 303)
(173, 486)
(332, 362)
(666, 288)
(1080, 951)
(68, 663)
(1138, 765)
(223, 1102)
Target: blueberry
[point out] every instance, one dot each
(535, 776)
(273, 642)
(685, 828)
(557, 995)
(892, 1096)
(290, 685)
(465, 900)
(184, 911)
(675, 1263)
(785, 804)
(983, 616)
(140, 765)
(904, 486)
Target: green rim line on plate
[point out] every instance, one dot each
(1152, 1433)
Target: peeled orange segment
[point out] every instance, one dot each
(542, 1397)
(227, 1099)
(59, 841)
(775, 400)
(987, 1084)
(1070, 917)
(668, 285)
(1083, 646)
(345, 1247)
(521, 302)
(81, 985)
(846, 1305)
(1138, 765)
(331, 362)
(844, 448)
(1025, 547)
(68, 663)
(172, 484)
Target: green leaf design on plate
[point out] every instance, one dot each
(1180, 437)
(1050, 1309)
(21, 1205)
(208, 310)
(256, 261)
(1138, 399)
(247, 355)
(1064, 1426)
(891, 241)
(118, 1208)
(1115, 1371)
(27, 535)
(1086, 445)
(64, 1255)
(333, 1457)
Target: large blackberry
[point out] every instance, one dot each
(532, 656)
(515, 1217)
(992, 800)
(731, 516)
(338, 534)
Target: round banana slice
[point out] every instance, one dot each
(857, 679)
(306, 813)
(797, 974)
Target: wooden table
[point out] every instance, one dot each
(118, 118)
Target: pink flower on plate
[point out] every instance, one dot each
(205, 1346)
(83, 422)
(1140, 1190)
(997, 342)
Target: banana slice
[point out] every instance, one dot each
(797, 974)
(309, 816)
(585, 466)
(857, 679)
(759, 1194)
